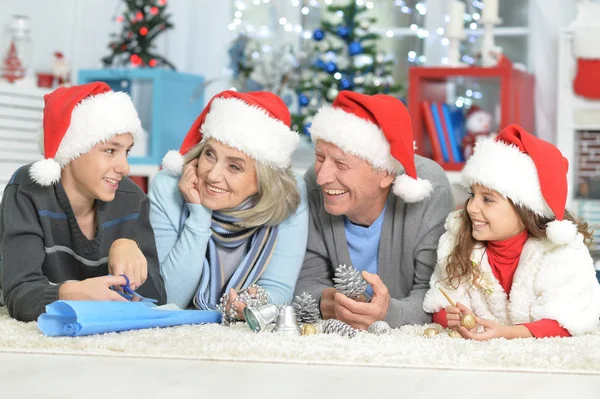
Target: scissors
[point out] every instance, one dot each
(130, 294)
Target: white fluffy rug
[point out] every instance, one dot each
(404, 347)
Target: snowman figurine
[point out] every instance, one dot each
(478, 124)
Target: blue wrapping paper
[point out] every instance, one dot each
(77, 318)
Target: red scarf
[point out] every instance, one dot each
(504, 258)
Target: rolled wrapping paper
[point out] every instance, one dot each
(77, 318)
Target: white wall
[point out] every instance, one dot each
(80, 29)
(547, 18)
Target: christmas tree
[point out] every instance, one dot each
(13, 68)
(143, 21)
(344, 56)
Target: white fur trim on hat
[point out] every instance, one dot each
(95, 120)
(561, 231)
(45, 172)
(172, 162)
(504, 168)
(251, 130)
(355, 136)
(585, 44)
(412, 190)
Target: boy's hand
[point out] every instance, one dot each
(125, 257)
(92, 289)
(189, 184)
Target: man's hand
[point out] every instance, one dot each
(361, 314)
(125, 257)
(327, 303)
(92, 289)
(189, 184)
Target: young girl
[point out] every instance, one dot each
(69, 220)
(514, 258)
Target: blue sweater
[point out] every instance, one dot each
(363, 245)
(181, 252)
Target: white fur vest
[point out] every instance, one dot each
(555, 282)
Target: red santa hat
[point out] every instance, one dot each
(529, 171)
(256, 123)
(377, 129)
(75, 120)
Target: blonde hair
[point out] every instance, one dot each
(277, 197)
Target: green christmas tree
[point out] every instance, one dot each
(142, 21)
(343, 55)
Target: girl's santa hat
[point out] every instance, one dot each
(529, 171)
(256, 123)
(75, 120)
(377, 129)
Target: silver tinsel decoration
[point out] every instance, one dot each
(307, 308)
(380, 328)
(334, 326)
(349, 281)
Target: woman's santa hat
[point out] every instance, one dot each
(75, 120)
(377, 129)
(256, 123)
(529, 171)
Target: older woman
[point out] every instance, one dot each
(230, 218)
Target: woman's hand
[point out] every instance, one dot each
(125, 257)
(189, 184)
(238, 306)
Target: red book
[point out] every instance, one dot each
(431, 132)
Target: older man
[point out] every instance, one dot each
(369, 209)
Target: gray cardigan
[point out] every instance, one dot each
(407, 248)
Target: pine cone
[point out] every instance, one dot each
(307, 308)
(349, 281)
(334, 326)
(379, 328)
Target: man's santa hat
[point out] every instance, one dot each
(529, 171)
(256, 123)
(75, 120)
(377, 129)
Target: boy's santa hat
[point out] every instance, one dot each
(529, 171)
(256, 123)
(377, 129)
(75, 120)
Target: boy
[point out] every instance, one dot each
(69, 220)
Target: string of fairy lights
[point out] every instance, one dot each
(416, 10)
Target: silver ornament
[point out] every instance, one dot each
(349, 281)
(332, 93)
(380, 327)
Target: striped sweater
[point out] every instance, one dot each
(42, 246)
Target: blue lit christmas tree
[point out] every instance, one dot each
(343, 56)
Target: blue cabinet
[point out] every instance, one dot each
(168, 102)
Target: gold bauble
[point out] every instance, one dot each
(468, 321)
(454, 334)
(308, 329)
(431, 332)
